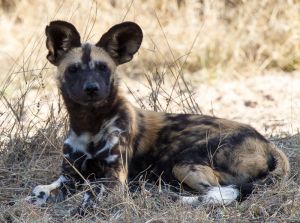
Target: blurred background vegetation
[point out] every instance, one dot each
(218, 38)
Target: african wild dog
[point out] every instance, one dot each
(113, 140)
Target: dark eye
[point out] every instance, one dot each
(101, 66)
(73, 68)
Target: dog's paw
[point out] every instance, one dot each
(88, 205)
(39, 195)
(84, 209)
(45, 193)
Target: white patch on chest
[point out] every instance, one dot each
(108, 132)
(79, 143)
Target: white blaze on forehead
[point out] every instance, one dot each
(75, 56)
(99, 54)
(72, 57)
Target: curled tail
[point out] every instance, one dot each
(282, 165)
(278, 168)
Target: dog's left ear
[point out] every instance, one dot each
(122, 41)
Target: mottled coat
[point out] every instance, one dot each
(110, 141)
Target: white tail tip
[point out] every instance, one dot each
(223, 195)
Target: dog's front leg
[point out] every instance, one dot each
(60, 188)
(115, 177)
(55, 191)
(94, 193)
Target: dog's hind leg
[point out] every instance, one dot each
(205, 180)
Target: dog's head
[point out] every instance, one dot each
(86, 72)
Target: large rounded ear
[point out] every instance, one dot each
(122, 41)
(61, 37)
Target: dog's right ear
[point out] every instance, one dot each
(61, 37)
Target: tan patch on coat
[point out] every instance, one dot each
(196, 176)
(153, 123)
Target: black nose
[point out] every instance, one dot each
(91, 88)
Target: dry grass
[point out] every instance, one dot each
(36, 160)
(214, 39)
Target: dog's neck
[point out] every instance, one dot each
(90, 118)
